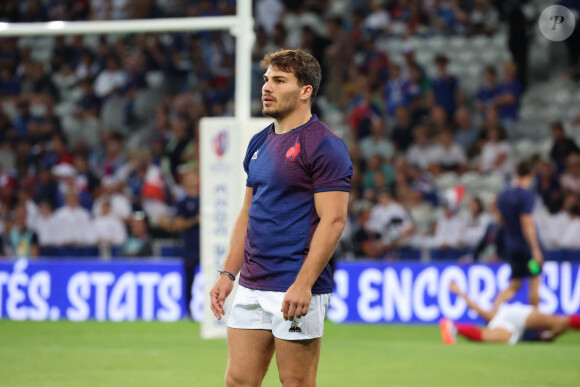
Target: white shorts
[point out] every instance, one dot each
(513, 319)
(260, 309)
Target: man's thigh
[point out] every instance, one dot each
(250, 352)
(297, 361)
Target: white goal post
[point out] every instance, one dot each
(237, 130)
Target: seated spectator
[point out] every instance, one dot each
(396, 90)
(73, 222)
(445, 87)
(377, 143)
(438, 120)
(22, 241)
(569, 238)
(415, 186)
(46, 187)
(548, 184)
(138, 244)
(562, 147)
(391, 221)
(420, 152)
(487, 92)
(448, 229)
(111, 79)
(477, 224)
(9, 83)
(419, 85)
(466, 134)
(446, 155)
(109, 229)
(496, 154)
(377, 22)
(402, 131)
(367, 243)
(44, 226)
(570, 179)
(112, 194)
(484, 19)
(554, 225)
(508, 99)
(378, 174)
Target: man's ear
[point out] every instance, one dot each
(306, 92)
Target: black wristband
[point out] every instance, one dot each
(232, 277)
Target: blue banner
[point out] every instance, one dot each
(419, 293)
(365, 292)
(82, 290)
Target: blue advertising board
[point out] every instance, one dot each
(365, 292)
(419, 293)
(82, 290)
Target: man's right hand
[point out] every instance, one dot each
(538, 256)
(218, 294)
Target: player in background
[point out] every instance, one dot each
(294, 211)
(520, 240)
(506, 324)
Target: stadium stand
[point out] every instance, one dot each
(130, 106)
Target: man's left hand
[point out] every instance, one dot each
(296, 302)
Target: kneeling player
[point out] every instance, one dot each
(506, 324)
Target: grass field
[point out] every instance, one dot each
(37, 354)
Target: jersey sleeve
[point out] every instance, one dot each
(331, 166)
(528, 203)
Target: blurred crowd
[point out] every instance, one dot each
(99, 134)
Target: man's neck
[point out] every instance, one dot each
(297, 118)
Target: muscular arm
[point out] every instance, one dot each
(486, 314)
(529, 231)
(234, 258)
(331, 207)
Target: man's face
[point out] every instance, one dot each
(280, 93)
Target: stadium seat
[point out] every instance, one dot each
(446, 180)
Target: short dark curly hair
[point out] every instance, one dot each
(304, 66)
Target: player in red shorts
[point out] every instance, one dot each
(506, 324)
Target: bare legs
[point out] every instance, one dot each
(250, 353)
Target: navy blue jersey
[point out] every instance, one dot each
(513, 202)
(285, 171)
(188, 208)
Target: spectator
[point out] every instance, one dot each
(109, 229)
(477, 225)
(466, 134)
(445, 87)
(402, 132)
(367, 243)
(396, 90)
(519, 38)
(570, 179)
(496, 154)
(138, 244)
(378, 174)
(562, 147)
(44, 226)
(415, 185)
(186, 223)
(446, 155)
(377, 143)
(484, 19)
(119, 203)
(111, 79)
(548, 184)
(73, 222)
(23, 241)
(46, 188)
(378, 20)
(391, 221)
(487, 92)
(508, 99)
(420, 152)
(448, 230)
(569, 238)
